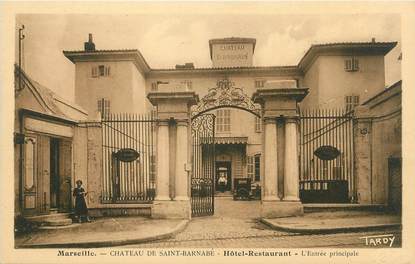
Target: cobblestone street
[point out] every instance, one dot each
(236, 224)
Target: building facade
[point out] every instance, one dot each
(338, 75)
(44, 133)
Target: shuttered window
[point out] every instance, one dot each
(259, 83)
(351, 64)
(250, 167)
(187, 84)
(223, 120)
(257, 124)
(104, 107)
(100, 71)
(257, 167)
(351, 102)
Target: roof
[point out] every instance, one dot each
(396, 86)
(231, 40)
(345, 48)
(291, 70)
(50, 101)
(108, 55)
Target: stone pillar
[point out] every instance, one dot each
(162, 183)
(181, 182)
(362, 136)
(279, 103)
(173, 106)
(291, 172)
(270, 182)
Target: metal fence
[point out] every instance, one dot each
(326, 156)
(128, 157)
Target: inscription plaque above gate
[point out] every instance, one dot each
(127, 155)
(225, 95)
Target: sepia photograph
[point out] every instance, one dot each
(223, 132)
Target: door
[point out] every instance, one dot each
(395, 184)
(65, 173)
(223, 169)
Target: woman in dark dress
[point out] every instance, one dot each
(81, 210)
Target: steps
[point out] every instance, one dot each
(54, 219)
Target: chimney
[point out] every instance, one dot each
(373, 40)
(89, 46)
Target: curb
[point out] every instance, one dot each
(110, 243)
(344, 229)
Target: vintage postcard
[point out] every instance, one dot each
(248, 132)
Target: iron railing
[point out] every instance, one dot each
(132, 181)
(327, 179)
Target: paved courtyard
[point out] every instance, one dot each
(236, 224)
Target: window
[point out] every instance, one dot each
(257, 167)
(250, 168)
(154, 86)
(351, 64)
(187, 85)
(351, 102)
(254, 167)
(104, 107)
(257, 124)
(223, 120)
(101, 70)
(259, 83)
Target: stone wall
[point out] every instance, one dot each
(377, 139)
(88, 160)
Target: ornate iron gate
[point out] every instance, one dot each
(326, 156)
(128, 158)
(203, 160)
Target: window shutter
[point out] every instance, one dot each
(257, 164)
(250, 167)
(355, 64)
(94, 72)
(257, 124)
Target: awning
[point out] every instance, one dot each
(231, 140)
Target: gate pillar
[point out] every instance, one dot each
(270, 182)
(280, 103)
(173, 155)
(163, 143)
(291, 166)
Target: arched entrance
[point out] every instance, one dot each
(205, 170)
(181, 163)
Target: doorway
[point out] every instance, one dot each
(54, 173)
(223, 171)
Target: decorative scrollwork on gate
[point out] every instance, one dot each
(225, 95)
(203, 125)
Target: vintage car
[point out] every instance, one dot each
(242, 188)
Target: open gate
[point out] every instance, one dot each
(326, 156)
(203, 160)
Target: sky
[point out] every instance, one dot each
(167, 40)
